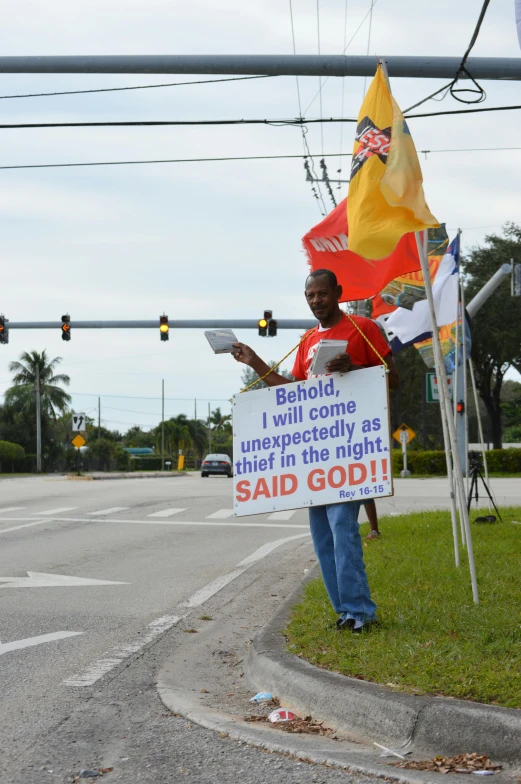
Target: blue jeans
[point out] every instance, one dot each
(337, 543)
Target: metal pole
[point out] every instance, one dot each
(195, 433)
(480, 426)
(38, 423)
(163, 424)
(99, 418)
(465, 464)
(209, 431)
(424, 411)
(444, 401)
(422, 67)
(302, 323)
(488, 289)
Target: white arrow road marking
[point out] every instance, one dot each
(107, 511)
(42, 580)
(30, 641)
(166, 513)
(25, 525)
(56, 511)
(11, 509)
(161, 625)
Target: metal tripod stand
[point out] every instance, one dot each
(475, 474)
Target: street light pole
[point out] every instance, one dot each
(38, 423)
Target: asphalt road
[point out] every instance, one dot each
(161, 548)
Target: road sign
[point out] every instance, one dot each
(78, 441)
(432, 387)
(79, 423)
(404, 434)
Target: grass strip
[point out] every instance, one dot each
(432, 638)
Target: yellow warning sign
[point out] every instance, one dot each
(78, 441)
(404, 434)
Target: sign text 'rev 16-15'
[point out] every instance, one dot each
(321, 441)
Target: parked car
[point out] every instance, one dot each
(217, 464)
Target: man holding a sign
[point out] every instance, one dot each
(334, 526)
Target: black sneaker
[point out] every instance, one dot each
(347, 624)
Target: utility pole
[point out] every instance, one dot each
(195, 433)
(163, 425)
(209, 430)
(99, 418)
(38, 423)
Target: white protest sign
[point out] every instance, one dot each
(321, 441)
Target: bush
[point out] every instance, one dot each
(151, 463)
(433, 463)
(10, 454)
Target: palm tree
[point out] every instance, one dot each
(219, 420)
(22, 395)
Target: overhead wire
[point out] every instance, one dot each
(462, 69)
(309, 168)
(345, 50)
(230, 158)
(136, 87)
(276, 123)
(339, 170)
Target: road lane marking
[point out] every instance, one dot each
(43, 580)
(107, 511)
(118, 654)
(205, 593)
(221, 514)
(287, 515)
(56, 511)
(157, 521)
(166, 513)
(12, 509)
(158, 627)
(18, 645)
(25, 525)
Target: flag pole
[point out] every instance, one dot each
(445, 402)
(465, 358)
(443, 411)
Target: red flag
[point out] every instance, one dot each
(326, 247)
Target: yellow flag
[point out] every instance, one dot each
(385, 198)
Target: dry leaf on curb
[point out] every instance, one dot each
(463, 763)
(101, 771)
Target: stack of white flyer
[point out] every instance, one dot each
(326, 351)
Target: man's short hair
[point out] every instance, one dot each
(331, 277)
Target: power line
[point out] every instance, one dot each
(231, 158)
(135, 87)
(345, 49)
(451, 86)
(274, 123)
(317, 193)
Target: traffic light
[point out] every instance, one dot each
(163, 327)
(272, 328)
(460, 407)
(66, 327)
(263, 323)
(4, 329)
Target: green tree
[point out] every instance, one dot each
(138, 438)
(22, 395)
(496, 329)
(220, 421)
(105, 451)
(249, 376)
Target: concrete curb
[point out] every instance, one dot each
(130, 475)
(368, 711)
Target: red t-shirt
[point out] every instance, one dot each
(358, 349)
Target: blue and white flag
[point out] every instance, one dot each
(405, 327)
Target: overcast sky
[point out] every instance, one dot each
(204, 240)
